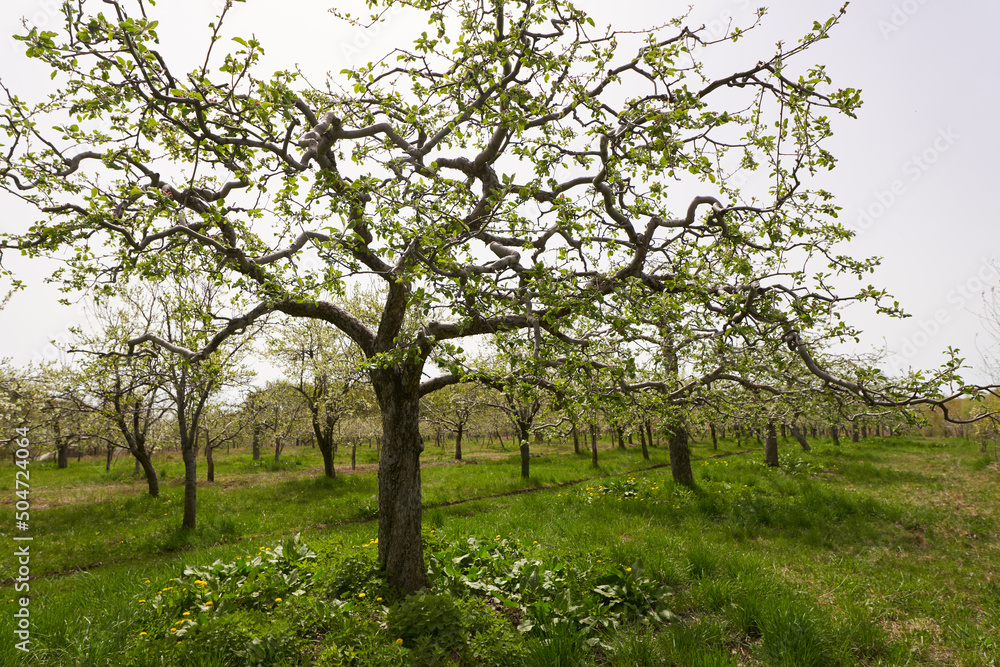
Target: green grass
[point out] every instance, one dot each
(877, 553)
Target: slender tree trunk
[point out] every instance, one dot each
(621, 437)
(642, 441)
(715, 441)
(458, 443)
(524, 435)
(801, 439)
(576, 441)
(593, 445)
(855, 437)
(190, 458)
(326, 449)
(784, 432)
(109, 456)
(680, 455)
(62, 447)
(835, 435)
(324, 437)
(138, 468)
(771, 446)
(354, 455)
(400, 550)
(649, 431)
(256, 443)
(210, 474)
(152, 481)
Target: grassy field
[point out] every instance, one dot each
(878, 553)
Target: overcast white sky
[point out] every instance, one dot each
(915, 174)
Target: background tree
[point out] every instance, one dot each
(324, 367)
(221, 424)
(454, 409)
(184, 312)
(124, 390)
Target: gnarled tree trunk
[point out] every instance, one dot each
(400, 551)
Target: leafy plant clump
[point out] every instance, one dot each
(541, 591)
(494, 602)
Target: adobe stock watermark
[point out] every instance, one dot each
(912, 170)
(965, 292)
(901, 14)
(47, 14)
(22, 548)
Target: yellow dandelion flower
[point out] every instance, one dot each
(187, 613)
(173, 629)
(140, 601)
(361, 595)
(628, 569)
(209, 603)
(399, 641)
(141, 634)
(378, 599)
(277, 599)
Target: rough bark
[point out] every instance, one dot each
(715, 441)
(400, 550)
(576, 440)
(855, 436)
(152, 481)
(328, 469)
(458, 443)
(835, 435)
(642, 441)
(680, 455)
(771, 446)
